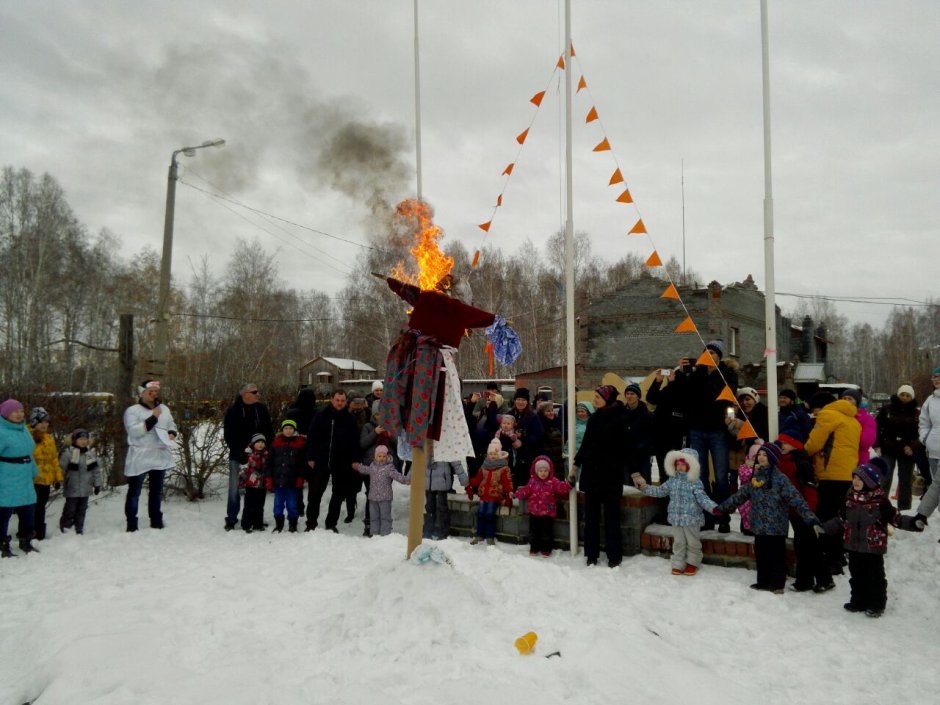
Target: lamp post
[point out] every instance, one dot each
(158, 363)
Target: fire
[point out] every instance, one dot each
(434, 266)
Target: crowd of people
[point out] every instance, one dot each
(818, 476)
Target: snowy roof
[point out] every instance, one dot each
(347, 364)
(810, 372)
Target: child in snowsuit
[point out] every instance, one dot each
(745, 473)
(440, 482)
(284, 474)
(47, 459)
(252, 482)
(687, 499)
(494, 485)
(382, 473)
(541, 493)
(771, 495)
(79, 465)
(863, 522)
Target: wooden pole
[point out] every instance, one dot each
(125, 382)
(419, 465)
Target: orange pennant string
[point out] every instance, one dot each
(561, 62)
(617, 178)
(572, 49)
(747, 431)
(499, 200)
(592, 115)
(670, 292)
(508, 169)
(537, 98)
(687, 326)
(485, 227)
(522, 135)
(581, 84)
(638, 229)
(726, 395)
(625, 197)
(706, 360)
(604, 146)
(476, 259)
(653, 260)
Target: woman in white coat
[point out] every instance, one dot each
(151, 433)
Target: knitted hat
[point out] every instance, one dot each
(496, 447)
(773, 453)
(377, 385)
(869, 474)
(789, 394)
(79, 433)
(790, 441)
(906, 389)
(716, 346)
(289, 422)
(635, 388)
(257, 437)
(936, 371)
(854, 394)
(507, 416)
(381, 450)
(542, 463)
(148, 384)
(749, 392)
(607, 392)
(38, 415)
(753, 448)
(9, 406)
(521, 393)
(881, 464)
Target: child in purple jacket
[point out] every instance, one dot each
(382, 473)
(542, 493)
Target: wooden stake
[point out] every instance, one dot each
(419, 464)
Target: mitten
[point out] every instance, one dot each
(97, 489)
(920, 521)
(57, 486)
(717, 512)
(75, 456)
(269, 484)
(818, 530)
(469, 492)
(300, 483)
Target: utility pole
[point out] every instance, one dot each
(125, 382)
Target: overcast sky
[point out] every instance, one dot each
(99, 94)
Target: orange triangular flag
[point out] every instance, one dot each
(625, 197)
(726, 395)
(592, 115)
(638, 229)
(476, 259)
(508, 169)
(581, 84)
(572, 49)
(604, 146)
(561, 62)
(537, 98)
(670, 292)
(485, 226)
(499, 200)
(522, 135)
(653, 260)
(687, 326)
(747, 431)
(617, 178)
(706, 360)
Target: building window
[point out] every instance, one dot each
(735, 341)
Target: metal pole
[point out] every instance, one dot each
(770, 307)
(569, 289)
(158, 363)
(417, 104)
(682, 171)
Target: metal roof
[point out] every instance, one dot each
(810, 372)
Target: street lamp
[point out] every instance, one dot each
(158, 364)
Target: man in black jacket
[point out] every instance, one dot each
(243, 419)
(333, 451)
(638, 447)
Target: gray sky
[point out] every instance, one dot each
(99, 94)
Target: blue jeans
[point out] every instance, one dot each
(285, 497)
(25, 513)
(154, 494)
(486, 520)
(231, 514)
(716, 442)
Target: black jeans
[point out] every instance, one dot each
(42, 498)
(771, 554)
(253, 511)
(25, 514)
(831, 499)
(811, 567)
(867, 580)
(594, 504)
(154, 494)
(541, 534)
(321, 478)
(436, 514)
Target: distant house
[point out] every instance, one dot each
(326, 373)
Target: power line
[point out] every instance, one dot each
(876, 300)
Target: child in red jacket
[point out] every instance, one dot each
(542, 492)
(285, 473)
(251, 480)
(494, 485)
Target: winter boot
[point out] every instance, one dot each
(27, 547)
(41, 532)
(132, 524)
(920, 521)
(279, 524)
(5, 551)
(156, 522)
(292, 526)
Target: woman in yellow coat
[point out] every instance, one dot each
(47, 458)
(833, 445)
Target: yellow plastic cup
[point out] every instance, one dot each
(526, 643)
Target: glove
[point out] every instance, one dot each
(920, 521)
(75, 456)
(818, 530)
(97, 489)
(57, 485)
(469, 492)
(300, 483)
(269, 484)
(717, 512)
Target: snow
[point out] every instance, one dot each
(193, 614)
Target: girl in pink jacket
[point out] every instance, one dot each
(542, 493)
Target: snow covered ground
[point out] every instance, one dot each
(192, 614)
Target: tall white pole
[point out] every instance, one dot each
(417, 105)
(770, 304)
(569, 286)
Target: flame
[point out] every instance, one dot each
(433, 266)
